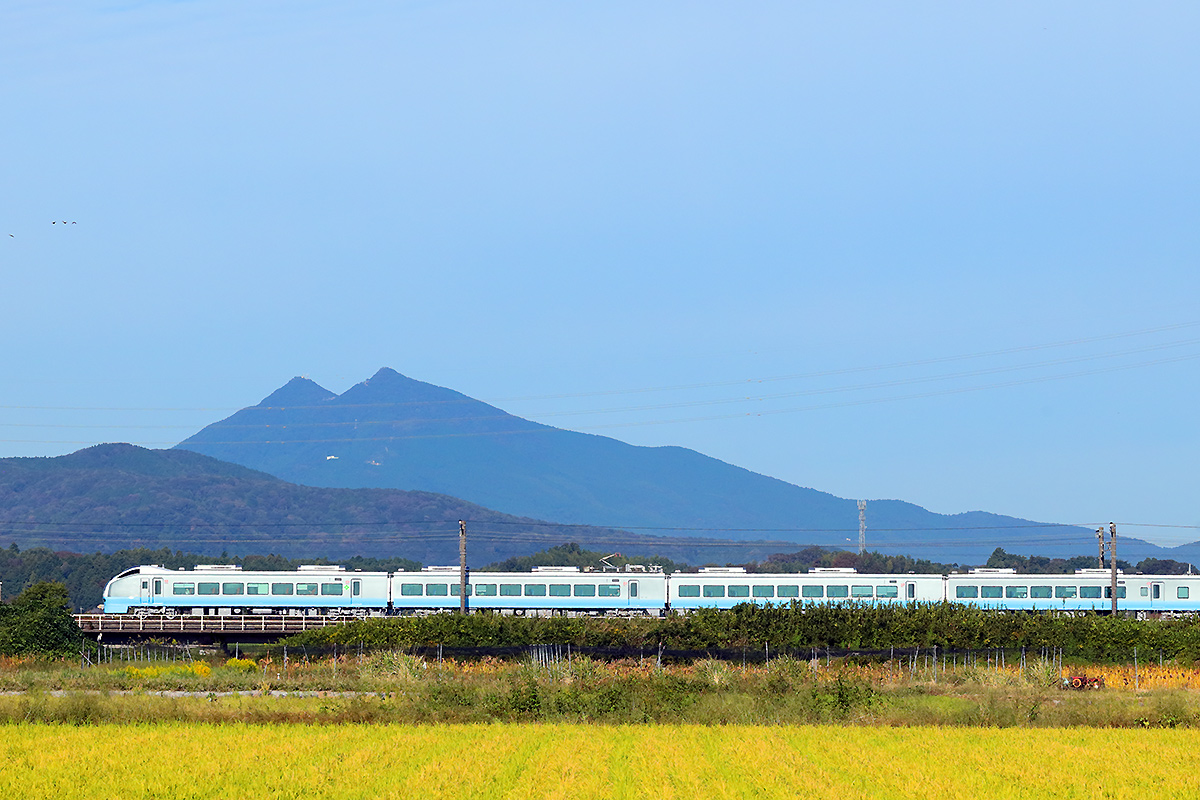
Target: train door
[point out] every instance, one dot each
(910, 591)
(356, 592)
(1156, 593)
(633, 593)
(144, 593)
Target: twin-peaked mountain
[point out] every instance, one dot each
(395, 432)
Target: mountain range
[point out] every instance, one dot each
(117, 496)
(395, 432)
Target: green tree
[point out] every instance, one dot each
(39, 622)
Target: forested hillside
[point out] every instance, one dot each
(118, 496)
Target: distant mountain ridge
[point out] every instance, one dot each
(117, 496)
(397, 432)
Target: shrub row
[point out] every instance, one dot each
(784, 629)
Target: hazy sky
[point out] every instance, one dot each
(765, 231)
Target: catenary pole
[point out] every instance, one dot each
(462, 566)
(1112, 557)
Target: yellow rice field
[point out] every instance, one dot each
(566, 761)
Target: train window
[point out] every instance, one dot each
(1120, 592)
(790, 591)
(510, 590)
(158, 586)
(1065, 591)
(1017, 592)
(585, 590)
(1089, 591)
(1038, 592)
(456, 590)
(306, 588)
(633, 588)
(812, 591)
(485, 589)
(233, 588)
(763, 591)
(838, 590)
(990, 591)
(331, 589)
(560, 590)
(1182, 593)
(689, 590)
(437, 589)
(862, 591)
(739, 591)
(209, 588)
(714, 591)
(281, 588)
(535, 590)
(145, 584)
(966, 591)
(412, 589)
(1157, 590)
(610, 590)
(183, 588)
(911, 591)
(356, 588)
(256, 588)
(887, 591)
(1145, 591)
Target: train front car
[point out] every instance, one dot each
(726, 587)
(634, 590)
(135, 590)
(221, 589)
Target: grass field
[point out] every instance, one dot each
(572, 761)
(388, 687)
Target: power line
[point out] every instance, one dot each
(540, 524)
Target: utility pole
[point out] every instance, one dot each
(462, 567)
(862, 527)
(1100, 539)
(1112, 557)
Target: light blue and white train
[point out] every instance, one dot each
(328, 590)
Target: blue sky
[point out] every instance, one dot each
(938, 252)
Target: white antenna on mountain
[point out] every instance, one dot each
(862, 526)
